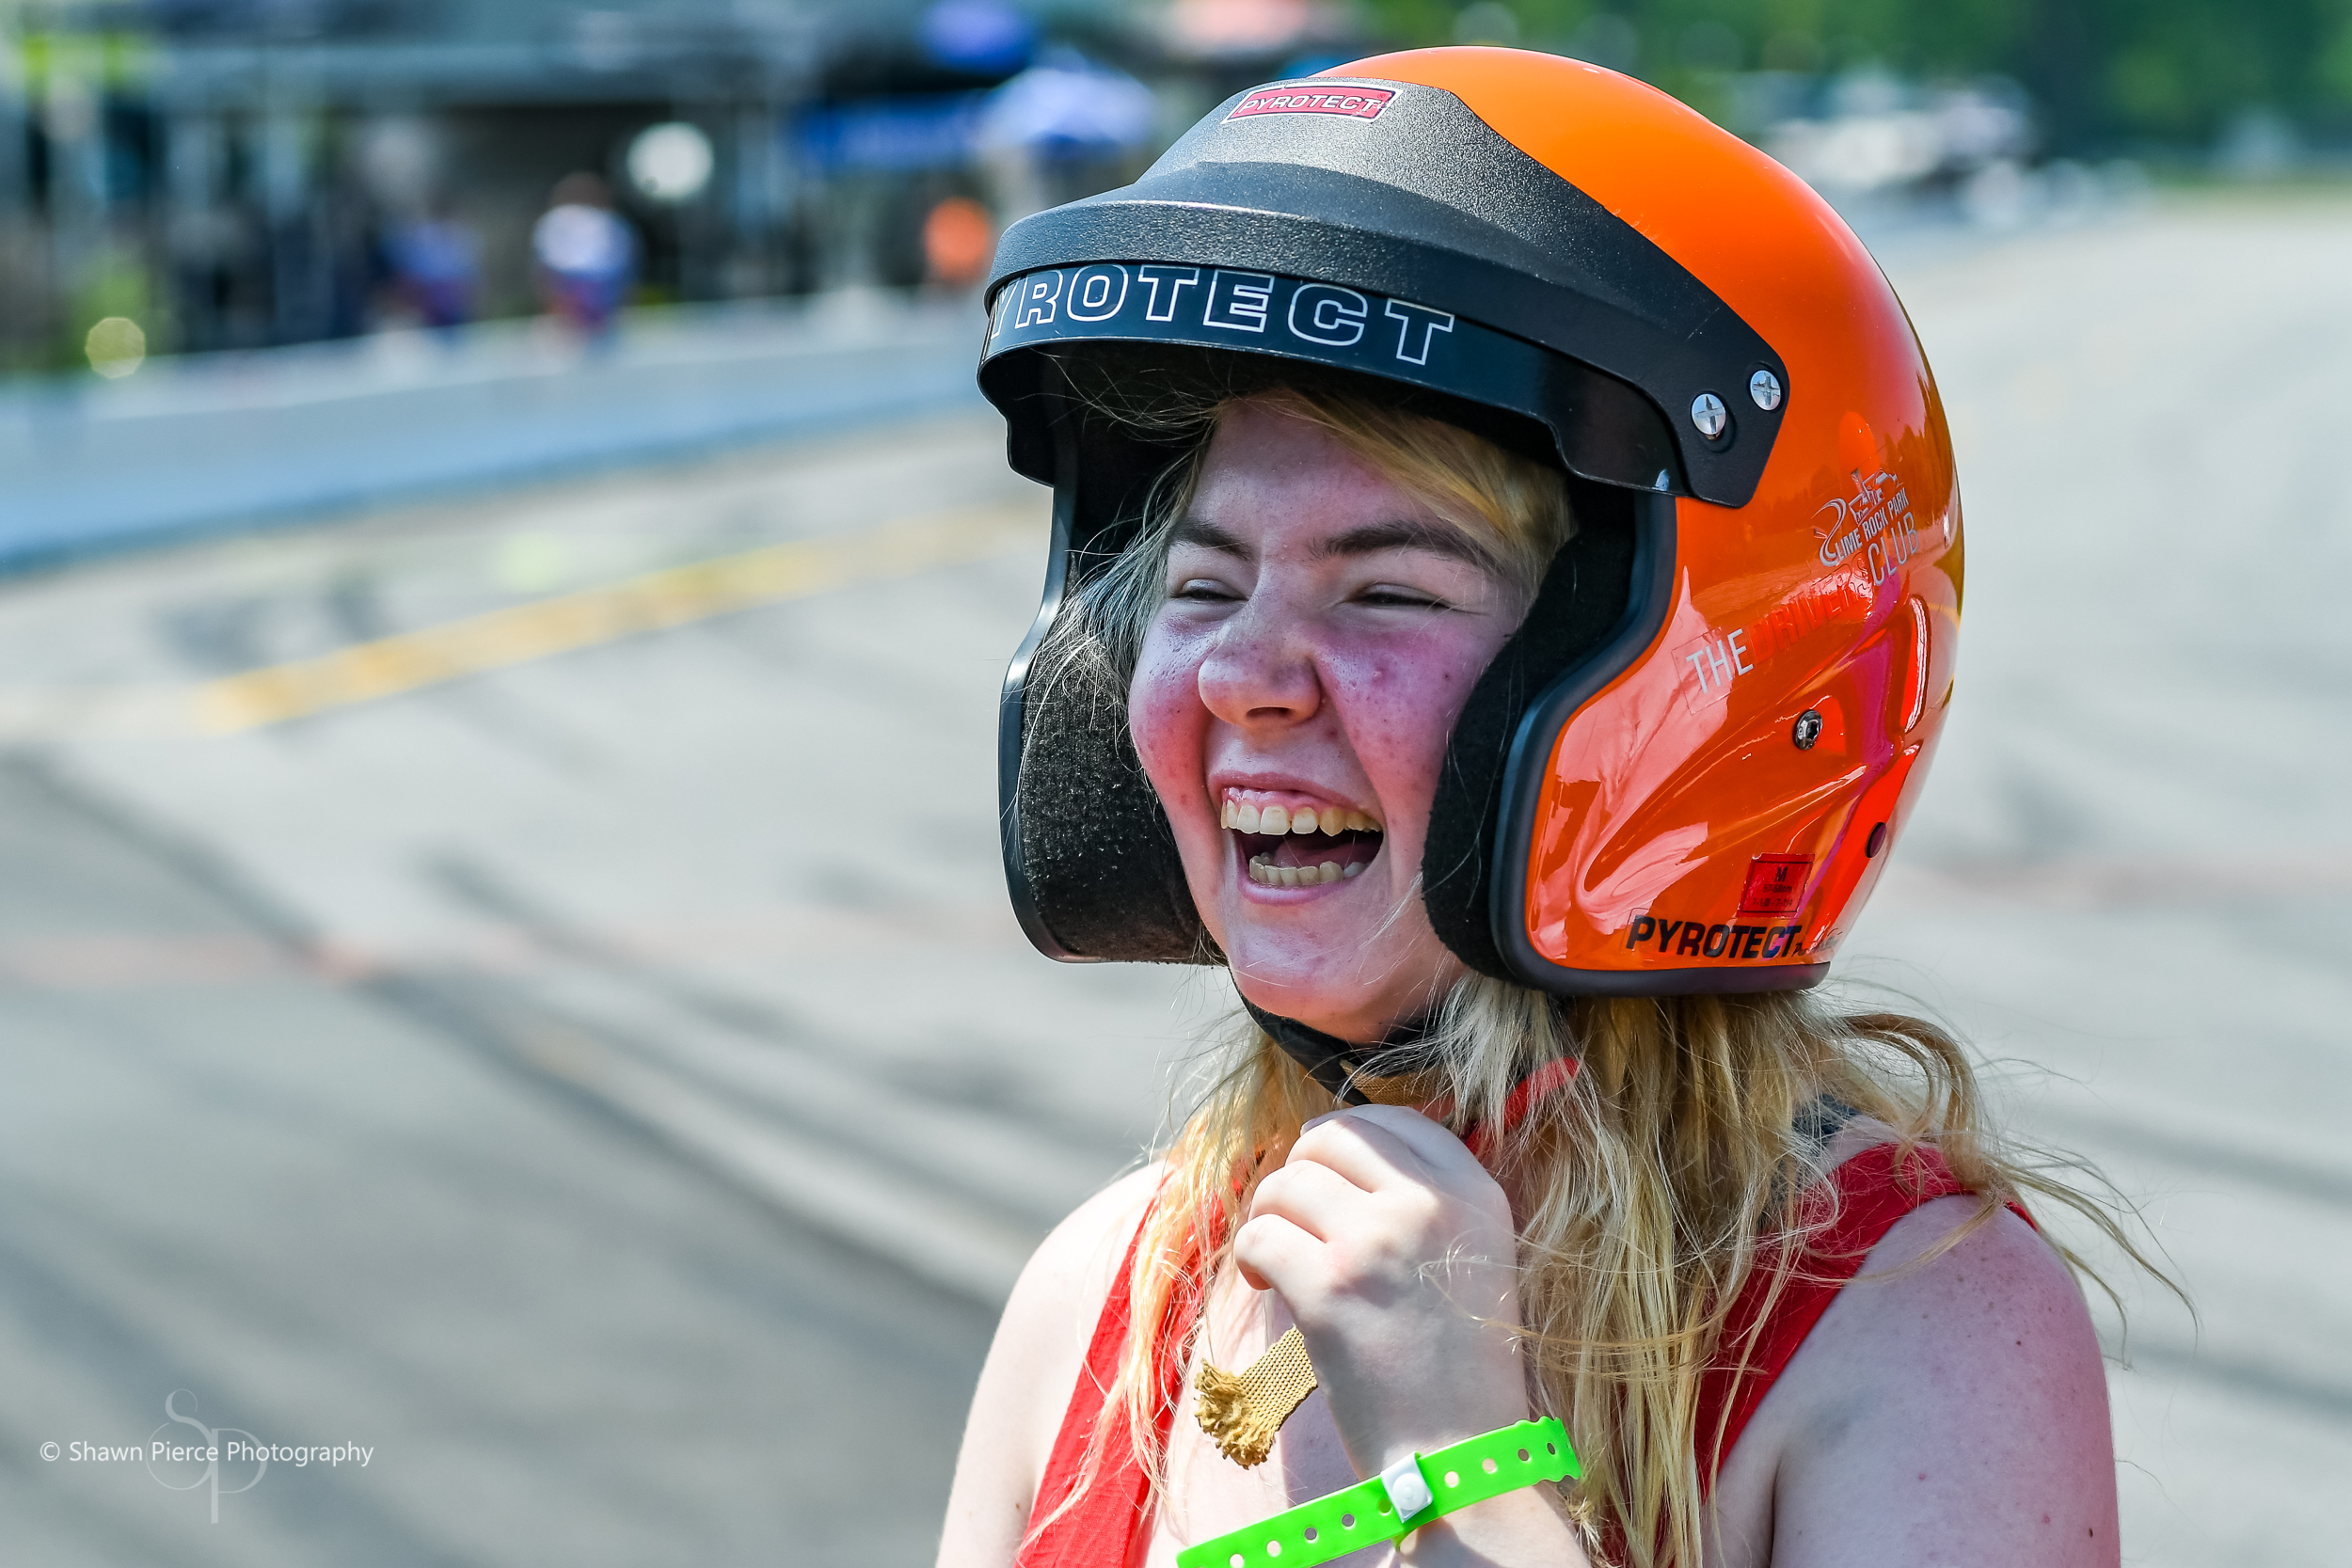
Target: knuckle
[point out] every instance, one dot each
(1274, 1188)
(1421, 1209)
(1315, 1140)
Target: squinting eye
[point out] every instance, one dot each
(1201, 589)
(1390, 597)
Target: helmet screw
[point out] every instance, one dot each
(1808, 729)
(1709, 414)
(1764, 387)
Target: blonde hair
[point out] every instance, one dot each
(1651, 1189)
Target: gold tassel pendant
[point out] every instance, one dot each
(1244, 1412)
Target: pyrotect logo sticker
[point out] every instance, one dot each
(1696, 939)
(1353, 102)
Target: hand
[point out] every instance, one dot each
(1397, 1255)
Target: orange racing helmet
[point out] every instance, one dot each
(1685, 772)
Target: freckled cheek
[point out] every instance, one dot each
(1399, 712)
(1435, 670)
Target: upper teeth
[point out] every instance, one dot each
(1245, 818)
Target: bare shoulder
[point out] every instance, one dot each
(1950, 1405)
(1051, 1315)
(1032, 1365)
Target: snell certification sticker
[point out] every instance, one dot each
(1775, 884)
(1354, 103)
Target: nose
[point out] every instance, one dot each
(1261, 672)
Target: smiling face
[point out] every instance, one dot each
(1321, 630)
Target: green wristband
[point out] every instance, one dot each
(1365, 1514)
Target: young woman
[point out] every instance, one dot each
(1504, 617)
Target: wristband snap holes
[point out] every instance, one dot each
(1384, 1507)
(1310, 1532)
(1348, 1521)
(1491, 1466)
(1523, 1456)
(1239, 1561)
(1551, 1447)
(1454, 1478)
(1274, 1548)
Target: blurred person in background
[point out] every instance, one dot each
(1516, 671)
(958, 239)
(585, 255)
(435, 262)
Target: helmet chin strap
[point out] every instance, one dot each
(1336, 1064)
(1330, 1061)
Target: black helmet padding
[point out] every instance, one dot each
(1104, 878)
(1599, 603)
(1089, 855)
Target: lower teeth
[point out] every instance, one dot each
(1267, 873)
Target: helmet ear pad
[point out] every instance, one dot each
(1587, 593)
(1096, 848)
(1091, 861)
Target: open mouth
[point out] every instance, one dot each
(1284, 846)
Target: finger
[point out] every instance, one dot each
(1430, 1142)
(1373, 1155)
(1314, 1198)
(1365, 1157)
(1273, 1252)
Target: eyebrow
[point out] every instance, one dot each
(1197, 531)
(1401, 533)
(1405, 533)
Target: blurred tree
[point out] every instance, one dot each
(2104, 74)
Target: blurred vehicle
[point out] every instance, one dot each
(1871, 132)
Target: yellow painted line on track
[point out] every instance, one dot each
(566, 623)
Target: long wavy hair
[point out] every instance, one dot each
(1682, 1158)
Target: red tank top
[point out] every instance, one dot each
(1106, 1527)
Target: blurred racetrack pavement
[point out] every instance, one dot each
(521, 982)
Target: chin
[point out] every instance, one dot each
(1352, 986)
(1339, 957)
